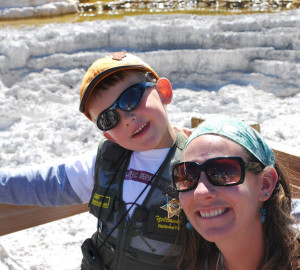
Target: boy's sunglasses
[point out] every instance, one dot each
(220, 171)
(127, 101)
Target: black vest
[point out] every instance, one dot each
(146, 242)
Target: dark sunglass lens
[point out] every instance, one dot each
(224, 171)
(185, 176)
(108, 120)
(130, 98)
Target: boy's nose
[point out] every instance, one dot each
(204, 189)
(127, 117)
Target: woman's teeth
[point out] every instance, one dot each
(214, 213)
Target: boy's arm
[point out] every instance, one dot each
(58, 185)
(186, 131)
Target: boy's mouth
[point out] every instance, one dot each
(139, 129)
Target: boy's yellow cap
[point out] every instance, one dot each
(104, 67)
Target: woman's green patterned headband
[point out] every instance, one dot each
(239, 132)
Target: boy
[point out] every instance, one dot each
(132, 198)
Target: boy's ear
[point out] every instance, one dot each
(269, 180)
(165, 91)
(108, 136)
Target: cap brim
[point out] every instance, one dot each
(98, 78)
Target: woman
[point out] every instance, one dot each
(236, 200)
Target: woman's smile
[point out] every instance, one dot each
(212, 213)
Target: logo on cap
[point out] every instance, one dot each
(118, 56)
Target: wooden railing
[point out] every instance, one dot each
(14, 218)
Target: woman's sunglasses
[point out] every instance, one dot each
(127, 101)
(220, 171)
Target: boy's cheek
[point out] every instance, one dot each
(109, 136)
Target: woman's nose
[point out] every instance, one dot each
(204, 188)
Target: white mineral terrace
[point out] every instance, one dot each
(10, 9)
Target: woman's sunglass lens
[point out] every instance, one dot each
(221, 171)
(185, 176)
